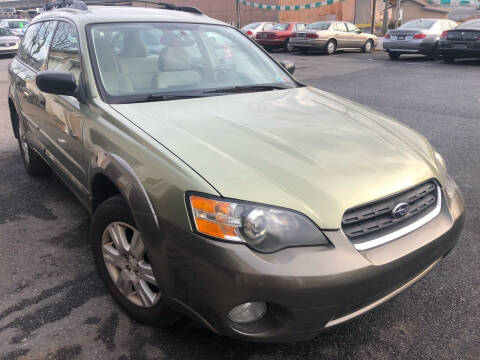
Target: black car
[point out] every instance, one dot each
(462, 42)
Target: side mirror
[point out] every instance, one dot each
(57, 82)
(358, 31)
(288, 65)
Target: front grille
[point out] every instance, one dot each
(376, 219)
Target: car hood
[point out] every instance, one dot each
(9, 39)
(301, 148)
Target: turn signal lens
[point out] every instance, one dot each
(444, 34)
(312, 35)
(387, 36)
(215, 218)
(263, 228)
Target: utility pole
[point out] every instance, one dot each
(385, 18)
(238, 14)
(374, 8)
(397, 17)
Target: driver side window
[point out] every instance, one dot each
(64, 52)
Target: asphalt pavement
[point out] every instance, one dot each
(53, 304)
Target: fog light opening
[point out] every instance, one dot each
(248, 312)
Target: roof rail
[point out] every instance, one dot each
(165, 5)
(82, 5)
(73, 4)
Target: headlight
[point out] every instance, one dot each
(263, 228)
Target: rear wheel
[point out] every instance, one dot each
(448, 59)
(393, 55)
(433, 55)
(331, 47)
(288, 46)
(368, 47)
(33, 163)
(123, 263)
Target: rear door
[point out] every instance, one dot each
(24, 80)
(63, 121)
(341, 35)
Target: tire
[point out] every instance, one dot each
(113, 214)
(368, 47)
(448, 59)
(288, 47)
(34, 164)
(330, 47)
(393, 55)
(433, 55)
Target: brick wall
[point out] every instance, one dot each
(344, 10)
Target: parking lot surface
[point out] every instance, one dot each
(53, 304)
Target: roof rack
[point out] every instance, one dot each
(82, 5)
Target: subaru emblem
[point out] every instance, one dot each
(400, 210)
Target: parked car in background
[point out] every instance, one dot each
(8, 42)
(462, 42)
(279, 36)
(330, 36)
(16, 26)
(419, 36)
(253, 28)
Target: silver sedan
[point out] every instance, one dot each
(419, 36)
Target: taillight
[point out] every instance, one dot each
(312, 36)
(444, 34)
(387, 36)
(420, 36)
(249, 33)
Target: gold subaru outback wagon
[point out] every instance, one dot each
(220, 187)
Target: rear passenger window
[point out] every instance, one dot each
(64, 53)
(340, 27)
(41, 45)
(24, 50)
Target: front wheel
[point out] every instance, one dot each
(393, 55)
(368, 47)
(123, 263)
(331, 47)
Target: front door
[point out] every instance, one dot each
(64, 119)
(341, 35)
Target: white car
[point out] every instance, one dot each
(8, 42)
(252, 29)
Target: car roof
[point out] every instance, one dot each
(114, 14)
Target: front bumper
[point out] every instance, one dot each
(307, 290)
(308, 43)
(10, 50)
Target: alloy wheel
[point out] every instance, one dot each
(368, 46)
(289, 46)
(330, 47)
(127, 263)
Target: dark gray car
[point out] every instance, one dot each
(419, 36)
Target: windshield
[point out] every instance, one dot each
(5, 32)
(418, 24)
(322, 25)
(138, 59)
(17, 24)
(251, 26)
(280, 27)
(474, 24)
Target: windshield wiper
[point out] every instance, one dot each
(165, 97)
(248, 88)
